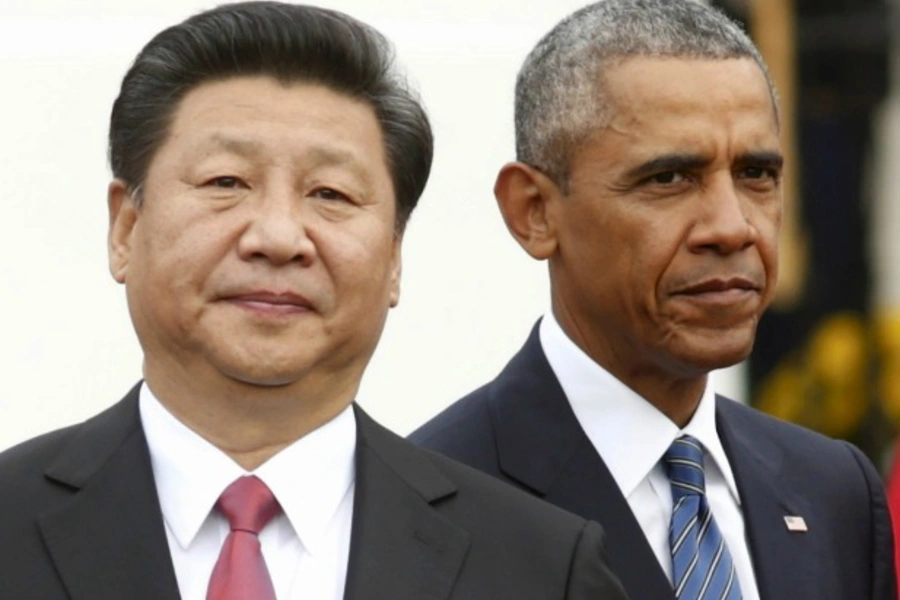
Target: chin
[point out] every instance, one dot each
(269, 372)
(717, 351)
(261, 377)
(265, 380)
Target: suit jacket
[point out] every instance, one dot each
(520, 428)
(80, 520)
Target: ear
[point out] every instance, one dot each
(396, 270)
(123, 214)
(527, 199)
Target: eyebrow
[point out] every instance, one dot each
(247, 146)
(764, 158)
(694, 162)
(666, 163)
(239, 146)
(333, 156)
(318, 155)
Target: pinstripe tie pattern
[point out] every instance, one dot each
(702, 568)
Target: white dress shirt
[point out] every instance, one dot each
(631, 435)
(306, 547)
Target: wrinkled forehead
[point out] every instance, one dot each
(640, 83)
(710, 110)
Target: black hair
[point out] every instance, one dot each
(292, 43)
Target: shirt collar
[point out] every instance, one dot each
(703, 427)
(627, 431)
(309, 478)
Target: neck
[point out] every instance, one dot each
(675, 397)
(674, 391)
(678, 399)
(250, 423)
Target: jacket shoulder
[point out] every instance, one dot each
(463, 431)
(547, 547)
(30, 457)
(818, 465)
(802, 446)
(518, 546)
(27, 469)
(499, 500)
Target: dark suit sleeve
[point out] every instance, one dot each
(590, 577)
(884, 577)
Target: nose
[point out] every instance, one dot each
(724, 220)
(277, 230)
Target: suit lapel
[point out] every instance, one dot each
(784, 562)
(108, 541)
(542, 446)
(401, 547)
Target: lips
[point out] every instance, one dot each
(280, 302)
(719, 285)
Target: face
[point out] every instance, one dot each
(666, 244)
(264, 250)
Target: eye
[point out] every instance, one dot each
(227, 182)
(759, 173)
(667, 178)
(326, 193)
(763, 180)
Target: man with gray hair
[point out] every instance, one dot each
(649, 178)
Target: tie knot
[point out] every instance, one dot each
(684, 466)
(248, 504)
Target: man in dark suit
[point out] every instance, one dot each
(266, 158)
(649, 177)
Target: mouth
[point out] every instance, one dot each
(269, 302)
(720, 286)
(721, 293)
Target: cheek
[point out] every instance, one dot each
(180, 254)
(358, 260)
(656, 250)
(768, 226)
(768, 250)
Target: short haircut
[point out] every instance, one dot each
(291, 43)
(560, 99)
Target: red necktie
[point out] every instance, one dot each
(241, 573)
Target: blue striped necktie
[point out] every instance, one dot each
(702, 568)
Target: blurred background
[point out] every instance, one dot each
(828, 352)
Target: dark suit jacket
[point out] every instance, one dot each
(521, 429)
(80, 520)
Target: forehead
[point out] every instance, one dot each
(259, 117)
(673, 79)
(689, 102)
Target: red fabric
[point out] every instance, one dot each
(893, 497)
(240, 572)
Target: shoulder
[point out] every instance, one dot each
(479, 503)
(27, 495)
(466, 431)
(518, 545)
(545, 547)
(469, 419)
(830, 481)
(834, 471)
(27, 460)
(461, 424)
(30, 471)
(801, 446)
(484, 496)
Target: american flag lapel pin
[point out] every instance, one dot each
(795, 523)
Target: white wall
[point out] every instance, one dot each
(469, 297)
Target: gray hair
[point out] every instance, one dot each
(559, 95)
